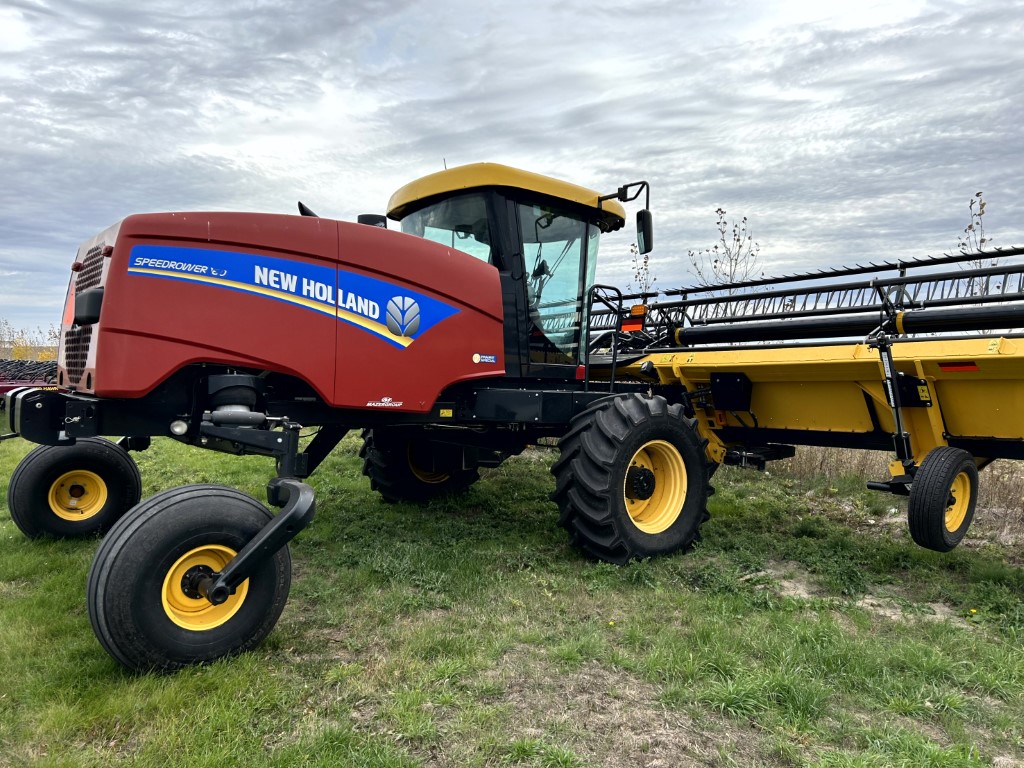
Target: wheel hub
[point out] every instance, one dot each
(654, 486)
(958, 502)
(77, 495)
(640, 483)
(190, 581)
(182, 600)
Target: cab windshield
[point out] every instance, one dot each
(560, 251)
(458, 222)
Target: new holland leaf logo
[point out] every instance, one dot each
(403, 316)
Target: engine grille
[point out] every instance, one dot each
(76, 352)
(78, 338)
(92, 269)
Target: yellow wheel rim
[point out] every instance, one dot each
(661, 462)
(191, 611)
(957, 510)
(425, 476)
(77, 495)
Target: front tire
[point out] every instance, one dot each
(74, 490)
(942, 498)
(143, 607)
(631, 481)
(405, 466)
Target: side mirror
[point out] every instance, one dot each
(373, 219)
(644, 231)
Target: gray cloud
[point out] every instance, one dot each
(840, 138)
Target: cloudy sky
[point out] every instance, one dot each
(844, 131)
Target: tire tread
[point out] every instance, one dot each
(584, 482)
(385, 464)
(929, 495)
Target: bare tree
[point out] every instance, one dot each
(973, 240)
(643, 276)
(732, 259)
(973, 237)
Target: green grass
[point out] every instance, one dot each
(469, 633)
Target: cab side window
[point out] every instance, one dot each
(555, 247)
(458, 222)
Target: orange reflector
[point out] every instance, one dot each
(954, 367)
(69, 305)
(629, 326)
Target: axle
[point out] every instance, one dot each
(299, 509)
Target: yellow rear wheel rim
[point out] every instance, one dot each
(956, 512)
(77, 495)
(197, 613)
(425, 476)
(658, 512)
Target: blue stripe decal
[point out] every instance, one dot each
(391, 312)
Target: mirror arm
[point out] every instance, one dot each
(645, 234)
(623, 193)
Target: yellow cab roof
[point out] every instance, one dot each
(611, 214)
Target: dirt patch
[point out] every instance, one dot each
(789, 580)
(12, 588)
(1000, 526)
(896, 610)
(607, 717)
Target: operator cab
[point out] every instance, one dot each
(542, 236)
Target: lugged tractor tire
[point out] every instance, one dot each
(142, 601)
(632, 479)
(943, 497)
(71, 491)
(395, 459)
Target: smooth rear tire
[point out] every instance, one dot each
(141, 595)
(74, 490)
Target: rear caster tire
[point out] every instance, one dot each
(631, 481)
(141, 598)
(942, 498)
(74, 490)
(405, 466)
